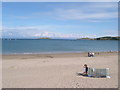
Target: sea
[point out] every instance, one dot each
(48, 46)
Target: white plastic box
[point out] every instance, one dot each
(92, 72)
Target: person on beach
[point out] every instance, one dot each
(85, 69)
(88, 54)
(91, 54)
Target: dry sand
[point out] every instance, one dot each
(58, 70)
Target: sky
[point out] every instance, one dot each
(59, 19)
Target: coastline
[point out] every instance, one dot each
(52, 55)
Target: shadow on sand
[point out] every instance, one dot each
(81, 74)
(85, 75)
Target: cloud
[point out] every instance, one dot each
(111, 32)
(38, 31)
(73, 14)
(86, 12)
(53, 31)
(21, 31)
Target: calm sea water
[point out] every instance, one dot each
(57, 46)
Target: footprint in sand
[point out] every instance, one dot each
(49, 56)
(12, 67)
(45, 61)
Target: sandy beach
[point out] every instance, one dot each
(57, 70)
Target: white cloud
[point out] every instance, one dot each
(73, 14)
(112, 32)
(36, 32)
(90, 11)
(44, 31)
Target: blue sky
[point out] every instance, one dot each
(59, 20)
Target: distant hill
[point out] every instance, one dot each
(108, 38)
(85, 39)
(101, 38)
(44, 38)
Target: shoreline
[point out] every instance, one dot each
(53, 55)
(66, 52)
